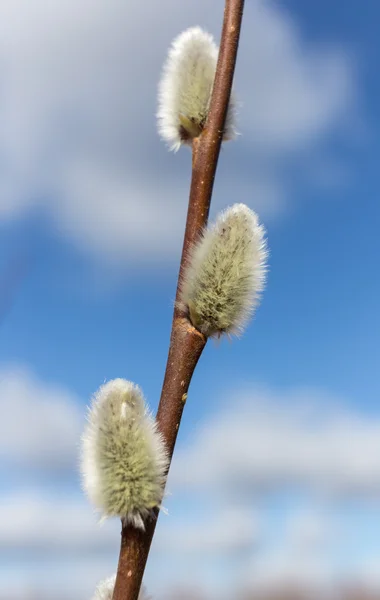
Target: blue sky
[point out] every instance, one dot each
(92, 208)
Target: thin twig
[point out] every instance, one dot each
(186, 343)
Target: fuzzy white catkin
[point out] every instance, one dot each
(105, 589)
(124, 460)
(185, 89)
(226, 272)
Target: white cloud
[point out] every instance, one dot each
(114, 218)
(59, 538)
(291, 572)
(268, 441)
(304, 558)
(40, 424)
(367, 576)
(64, 579)
(225, 532)
(297, 93)
(30, 520)
(309, 530)
(77, 103)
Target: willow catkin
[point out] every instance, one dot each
(124, 460)
(226, 270)
(185, 89)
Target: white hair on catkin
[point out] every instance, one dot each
(124, 460)
(104, 590)
(221, 285)
(185, 89)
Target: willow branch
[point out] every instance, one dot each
(186, 343)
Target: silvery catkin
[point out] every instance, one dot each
(185, 89)
(226, 270)
(124, 460)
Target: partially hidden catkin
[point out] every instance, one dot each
(185, 89)
(105, 588)
(226, 270)
(124, 460)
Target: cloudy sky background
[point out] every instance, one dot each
(277, 470)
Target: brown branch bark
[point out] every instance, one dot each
(186, 343)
